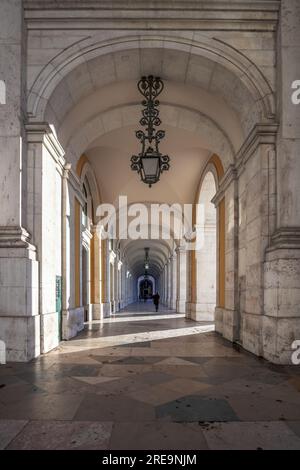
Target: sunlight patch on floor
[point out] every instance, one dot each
(119, 319)
(118, 340)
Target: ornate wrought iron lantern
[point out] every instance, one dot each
(150, 163)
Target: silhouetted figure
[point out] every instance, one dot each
(156, 300)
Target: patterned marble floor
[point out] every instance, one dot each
(142, 380)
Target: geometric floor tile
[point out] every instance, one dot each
(95, 380)
(185, 386)
(171, 386)
(175, 361)
(8, 430)
(63, 435)
(195, 408)
(273, 435)
(156, 436)
(113, 408)
(155, 395)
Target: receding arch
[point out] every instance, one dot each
(208, 289)
(85, 171)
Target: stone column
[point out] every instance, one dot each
(188, 302)
(19, 309)
(231, 313)
(122, 282)
(166, 284)
(249, 223)
(86, 271)
(281, 322)
(72, 310)
(203, 309)
(119, 284)
(174, 281)
(96, 275)
(116, 284)
(181, 279)
(170, 266)
(106, 288)
(44, 219)
(162, 286)
(112, 279)
(131, 297)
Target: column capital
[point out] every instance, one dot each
(43, 133)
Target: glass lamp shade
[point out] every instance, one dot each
(150, 165)
(150, 168)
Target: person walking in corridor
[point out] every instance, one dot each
(156, 298)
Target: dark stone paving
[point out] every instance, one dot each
(162, 382)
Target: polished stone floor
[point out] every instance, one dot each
(142, 380)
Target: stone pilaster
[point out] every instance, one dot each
(170, 286)
(181, 279)
(19, 320)
(174, 281)
(281, 322)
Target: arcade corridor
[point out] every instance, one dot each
(150, 381)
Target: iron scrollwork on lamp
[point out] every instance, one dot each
(150, 163)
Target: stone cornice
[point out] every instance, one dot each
(260, 134)
(136, 14)
(229, 176)
(253, 5)
(43, 134)
(15, 237)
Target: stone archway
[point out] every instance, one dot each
(99, 124)
(220, 99)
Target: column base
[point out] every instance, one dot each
(49, 332)
(251, 333)
(100, 311)
(19, 295)
(278, 336)
(202, 312)
(21, 337)
(281, 320)
(72, 322)
(181, 306)
(226, 323)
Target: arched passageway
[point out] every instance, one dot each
(82, 110)
(83, 242)
(96, 128)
